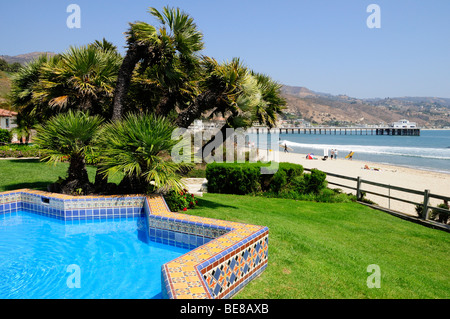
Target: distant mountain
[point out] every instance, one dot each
(24, 58)
(328, 109)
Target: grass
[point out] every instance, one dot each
(322, 250)
(31, 173)
(316, 250)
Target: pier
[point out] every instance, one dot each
(394, 131)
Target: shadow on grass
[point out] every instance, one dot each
(209, 204)
(32, 185)
(25, 160)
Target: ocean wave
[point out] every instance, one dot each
(430, 153)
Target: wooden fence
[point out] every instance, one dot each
(426, 195)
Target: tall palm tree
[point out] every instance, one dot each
(238, 94)
(139, 147)
(225, 89)
(177, 36)
(70, 135)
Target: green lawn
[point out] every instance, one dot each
(31, 173)
(316, 250)
(319, 250)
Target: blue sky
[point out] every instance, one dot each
(324, 45)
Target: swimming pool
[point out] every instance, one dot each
(222, 256)
(45, 258)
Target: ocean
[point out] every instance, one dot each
(429, 151)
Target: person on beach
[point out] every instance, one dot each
(335, 153)
(350, 155)
(332, 153)
(285, 148)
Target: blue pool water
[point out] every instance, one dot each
(44, 258)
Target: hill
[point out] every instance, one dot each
(24, 58)
(327, 109)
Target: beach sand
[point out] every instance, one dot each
(437, 183)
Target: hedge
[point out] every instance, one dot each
(246, 178)
(5, 136)
(233, 178)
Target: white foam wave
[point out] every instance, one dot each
(431, 153)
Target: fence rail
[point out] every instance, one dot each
(426, 194)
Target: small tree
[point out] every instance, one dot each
(139, 147)
(70, 136)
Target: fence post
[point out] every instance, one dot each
(425, 204)
(389, 194)
(358, 188)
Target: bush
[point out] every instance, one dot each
(439, 216)
(419, 210)
(434, 213)
(246, 178)
(180, 201)
(17, 151)
(326, 195)
(314, 182)
(5, 136)
(234, 178)
(283, 177)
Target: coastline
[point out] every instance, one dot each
(435, 182)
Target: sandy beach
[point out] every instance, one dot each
(437, 183)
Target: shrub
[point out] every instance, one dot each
(180, 200)
(434, 214)
(419, 210)
(233, 178)
(327, 195)
(282, 178)
(439, 216)
(315, 181)
(17, 151)
(5, 136)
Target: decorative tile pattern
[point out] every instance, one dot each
(68, 208)
(225, 255)
(220, 267)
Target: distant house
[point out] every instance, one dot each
(403, 124)
(7, 119)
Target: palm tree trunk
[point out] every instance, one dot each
(214, 142)
(77, 170)
(134, 54)
(203, 103)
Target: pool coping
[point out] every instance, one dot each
(224, 257)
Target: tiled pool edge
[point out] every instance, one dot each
(225, 255)
(218, 268)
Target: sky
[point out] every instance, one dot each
(324, 45)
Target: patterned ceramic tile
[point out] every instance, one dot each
(218, 269)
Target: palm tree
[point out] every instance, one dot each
(81, 78)
(176, 38)
(228, 89)
(23, 85)
(271, 104)
(225, 89)
(139, 147)
(70, 135)
(25, 123)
